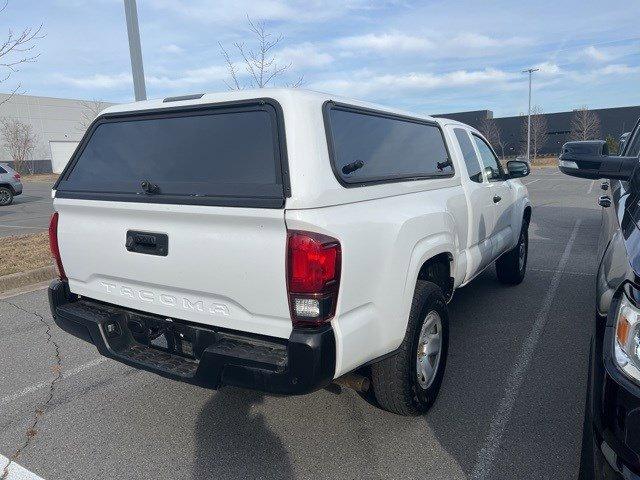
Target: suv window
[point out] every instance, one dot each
(190, 155)
(2, 170)
(633, 148)
(370, 147)
(469, 155)
(490, 161)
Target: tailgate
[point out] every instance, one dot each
(223, 266)
(180, 212)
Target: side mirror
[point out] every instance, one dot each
(591, 159)
(518, 168)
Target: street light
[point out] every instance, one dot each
(135, 50)
(530, 72)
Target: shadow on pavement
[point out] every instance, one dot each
(234, 442)
(489, 323)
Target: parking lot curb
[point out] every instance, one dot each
(21, 279)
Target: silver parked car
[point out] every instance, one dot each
(10, 185)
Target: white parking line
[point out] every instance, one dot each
(593, 182)
(16, 472)
(487, 454)
(532, 181)
(65, 374)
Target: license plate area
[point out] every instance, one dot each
(168, 335)
(132, 329)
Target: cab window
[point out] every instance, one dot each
(633, 147)
(469, 155)
(490, 161)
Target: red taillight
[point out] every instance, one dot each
(17, 176)
(53, 244)
(313, 276)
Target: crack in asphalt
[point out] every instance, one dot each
(56, 369)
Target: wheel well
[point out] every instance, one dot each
(8, 185)
(438, 270)
(527, 215)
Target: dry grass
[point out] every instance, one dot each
(545, 162)
(40, 177)
(19, 254)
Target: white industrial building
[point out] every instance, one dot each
(58, 125)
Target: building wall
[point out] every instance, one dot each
(613, 122)
(52, 119)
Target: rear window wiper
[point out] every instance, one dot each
(149, 188)
(352, 167)
(447, 163)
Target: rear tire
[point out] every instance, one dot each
(408, 382)
(6, 196)
(512, 266)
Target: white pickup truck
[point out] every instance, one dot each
(281, 240)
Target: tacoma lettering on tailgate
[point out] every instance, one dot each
(182, 303)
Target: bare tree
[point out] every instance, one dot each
(16, 49)
(90, 110)
(20, 142)
(539, 133)
(491, 131)
(260, 61)
(585, 124)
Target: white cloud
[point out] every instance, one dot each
(461, 45)
(593, 53)
(618, 69)
(197, 76)
(303, 55)
(364, 82)
(386, 42)
(187, 78)
(604, 74)
(233, 12)
(548, 69)
(96, 81)
(172, 48)
(476, 40)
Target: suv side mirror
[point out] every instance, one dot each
(591, 159)
(518, 168)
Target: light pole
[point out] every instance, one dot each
(135, 50)
(530, 72)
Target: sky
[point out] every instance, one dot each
(427, 57)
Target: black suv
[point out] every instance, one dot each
(611, 439)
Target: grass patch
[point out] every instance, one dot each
(544, 162)
(23, 253)
(40, 177)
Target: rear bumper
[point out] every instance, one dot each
(196, 354)
(17, 188)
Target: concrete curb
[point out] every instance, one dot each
(21, 279)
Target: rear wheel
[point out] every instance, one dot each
(408, 382)
(512, 266)
(6, 196)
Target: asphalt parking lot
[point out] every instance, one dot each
(511, 405)
(29, 213)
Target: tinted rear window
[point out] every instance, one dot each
(2, 170)
(371, 147)
(205, 154)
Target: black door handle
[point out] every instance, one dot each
(496, 198)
